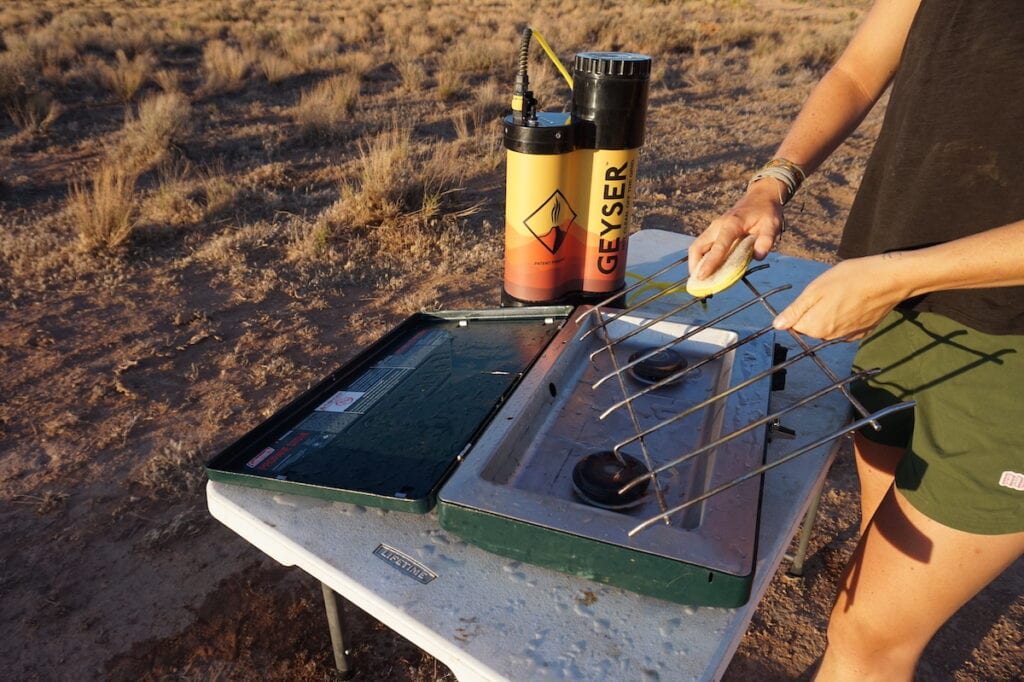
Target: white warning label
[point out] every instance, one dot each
(341, 401)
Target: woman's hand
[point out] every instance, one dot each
(847, 300)
(759, 212)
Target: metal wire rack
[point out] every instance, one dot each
(606, 312)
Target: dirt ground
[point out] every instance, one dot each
(123, 371)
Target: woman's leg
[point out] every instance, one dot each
(876, 467)
(908, 575)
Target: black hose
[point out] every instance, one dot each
(527, 111)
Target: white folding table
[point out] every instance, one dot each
(490, 618)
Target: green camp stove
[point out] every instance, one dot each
(615, 400)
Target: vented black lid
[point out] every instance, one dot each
(626, 64)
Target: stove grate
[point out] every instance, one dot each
(604, 316)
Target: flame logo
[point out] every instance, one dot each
(551, 232)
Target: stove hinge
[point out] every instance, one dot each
(779, 353)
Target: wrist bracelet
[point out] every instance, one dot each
(786, 172)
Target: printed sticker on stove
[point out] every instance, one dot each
(266, 452)
(340, 401)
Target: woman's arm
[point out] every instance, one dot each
(833, 110)
(848, 300)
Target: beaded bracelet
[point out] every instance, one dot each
(786, 172)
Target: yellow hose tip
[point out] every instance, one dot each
(730, 272)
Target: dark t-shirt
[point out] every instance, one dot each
(949, 160)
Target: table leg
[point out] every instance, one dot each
(336, 622)
(796, 566)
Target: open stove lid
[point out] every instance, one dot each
(387, 428)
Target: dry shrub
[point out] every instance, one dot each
(477, 55)
(785, 52)
(490, 100)
(275, 68)
(311, 241)
(35, 112)
(173, 473)
(357, 63)
(79, 18)
(169, 202)
(412, 73)
(50, 50)
(449, 84)
(398, 27)
(440, 176)
(353, 29)
(308, 52)
(126, 76)
(164, 119)
(396, 182)
(169, 80)
(463, 124)
(699, 72)
(386, 176)
(219, 192)
(324, 110)
(104, 214)
(15, 71)
(224, 68)
(22, 17)
(479, 122)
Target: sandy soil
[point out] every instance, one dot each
(121, 375)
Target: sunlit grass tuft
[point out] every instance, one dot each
(325, 110)
(163, 120)
(224, 68)
(126, 76)
(103, 213)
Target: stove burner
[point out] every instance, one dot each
(662, 364)
(598, 477)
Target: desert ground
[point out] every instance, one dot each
(207, 206)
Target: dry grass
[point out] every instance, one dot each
(126, 76)
(33, 113)
(104, 213)
(176, 471)
(169, 80)
(218, 191)
(163, 119)
(16, 69)
(412, 72)
(275, 68)
(169, 203)
(224, 68)
(325, 111)
(308, 52)
(386, 176)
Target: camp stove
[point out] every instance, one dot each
(623, 445)
(632, 453)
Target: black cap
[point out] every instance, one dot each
(627, 64)
(551, 133)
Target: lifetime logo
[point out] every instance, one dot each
(405, 563)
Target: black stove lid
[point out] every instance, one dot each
(388, 427)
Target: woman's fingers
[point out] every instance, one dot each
(708, 252)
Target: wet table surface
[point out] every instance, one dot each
(491, 618)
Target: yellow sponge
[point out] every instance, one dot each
(727, 274)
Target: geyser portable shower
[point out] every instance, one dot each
(570, 177)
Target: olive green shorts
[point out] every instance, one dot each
(964, 441)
